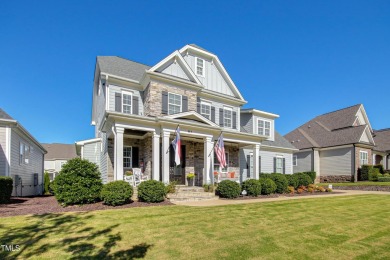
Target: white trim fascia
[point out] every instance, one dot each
(146, 129)
(357, 119)
(8, 132)
(82, 152)
(88, 141)
(25, 133)
(336, 147)
(107, 97)
(364, 115)
(279, 148)
(304, 150)
(170, 79)
(205, 93)
(192, 113)
(369, 135)
(176, 54)
(118, 77)
(259, 113)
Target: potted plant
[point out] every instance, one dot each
(128, 173)
(191, 178)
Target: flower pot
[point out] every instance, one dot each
(190, 182)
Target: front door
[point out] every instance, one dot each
(177, 173)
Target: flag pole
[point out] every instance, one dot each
(214, 144)
(173, 138)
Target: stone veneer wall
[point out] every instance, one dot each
(153, 97)
(336, 178)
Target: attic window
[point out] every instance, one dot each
(199, 65)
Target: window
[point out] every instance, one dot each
(199, 67)
(127, 159)
(174, 103)
(126, 102)
(279, 165)
(205, 110)
(264, 127)
(363, 158)
(217, 167)
(227, 117)
(24, 153)
(295, 160)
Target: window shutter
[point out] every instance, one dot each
(135, 157)
(213, 114)
(118, 102)
(234, 120)
(284, 165)
(198, 105)
(248, 166)
(135, 105)
(274, 164)
(164, 103)
(221, 117)
(259, 164)
(184, 103)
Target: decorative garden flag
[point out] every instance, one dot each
(220, 152)
(176, 143)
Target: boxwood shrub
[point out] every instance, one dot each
(292, 180)
(268, 186)
(303, 179)
(380, 167)
(280, 181)
(78, 182)
(151, 191)
(384, 179)
(116, 193)
(228, 189)
(374, 174)
(312, 176)
(5, 189)
(364, 172)
(252, 187)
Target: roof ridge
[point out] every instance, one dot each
(382, 130)
(338, 110)
(125, 59)
(323, 126)
(314, 143)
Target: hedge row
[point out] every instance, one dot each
(5, 189)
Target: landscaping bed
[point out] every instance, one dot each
(284, 195)
(48, 204)
(363, 187)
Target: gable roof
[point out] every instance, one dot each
(382, 140)
(60, 151)
(330, 129)
(200, 48)
(192, 116)
(280, 141)
(121, 67)
(4, 115)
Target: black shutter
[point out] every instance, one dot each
(171, 156)
(184, 104)
(198, 105)
(164, 103)
(234, 120)
(135, 157)
(213, 114)
(274, 164)
(118, 102)
(221, 117)
(248, 166)
(284, 165)
(183, 156)
(135, 105)
(259, 164)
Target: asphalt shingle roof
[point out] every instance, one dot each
(382, 140)
(4, 115)
(280, 141)
(60, 151)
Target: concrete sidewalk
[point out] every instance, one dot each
(222, 202)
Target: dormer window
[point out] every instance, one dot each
(199, 66)
(264, 127)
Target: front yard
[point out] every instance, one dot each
(332, 228)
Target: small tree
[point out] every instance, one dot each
(46, 183)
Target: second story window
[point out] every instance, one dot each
(227, 117)
(199, 63)
(174, 103)
(24, 153)
(264, 127)
(126, 103)
(205, 110)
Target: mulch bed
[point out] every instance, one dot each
(48, 204)
(284, 195)
(365, 188)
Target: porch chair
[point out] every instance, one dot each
(139, 177)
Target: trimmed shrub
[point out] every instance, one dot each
(116, 193)
(280, 181)
(292, 180)
(364, 172)
(151, 191)
(79, 182)
(228, 189)
(291, 189)
(374, 174)
(312, 175)
(303, 179)
(268, 186)
(386, 175)
(5, 189)
(380, 167)
(252, 187)
(46, 183)
(384, 179)
(171, 187)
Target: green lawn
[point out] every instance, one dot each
(360, 183)
(331, 228)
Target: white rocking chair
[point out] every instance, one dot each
(139, 177)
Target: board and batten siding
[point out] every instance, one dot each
(26, 171)
(213, 79)
(267, 161)
(304, 161)
(117, 89)
(3, 150)
(336, 162)
(175, 69)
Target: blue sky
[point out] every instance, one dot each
(298, 59)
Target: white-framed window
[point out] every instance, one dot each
(127, 99)
(205, 110)
(227, 117)
(174, 103)
(363, 158)
(263, 127)
(279, 165)
(127, 158)
(295, 160)
(199, 66)
(217, 166)
(24, 153)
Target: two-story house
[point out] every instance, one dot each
(137, 108)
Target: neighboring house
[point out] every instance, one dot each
(381, 152)
(334, 145)
(21, 157)
(57, 155)
(137, 108)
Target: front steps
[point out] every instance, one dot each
(186, 193)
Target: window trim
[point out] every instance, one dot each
(181, 102)
(270, 127)
(24, 155)
(206, 104)
(130, 157)
(231, 117)
(203, 67)
(296, 160)
(360, 157)
(123, 103)
(276, 162)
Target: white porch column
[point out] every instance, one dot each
(208, 160)
(118, 153)
(317, 165)
(256, 166)
(165, 157)
(156, 157)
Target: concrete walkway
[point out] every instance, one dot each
(222, 202)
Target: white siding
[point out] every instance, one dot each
(50, 165)
(246, 122)
(26, 171)
(3, 151)
(336, 162)
(104, 158)
(174, 69)
(267, 161)
(100, 106)
(117, 89)
(272, 125)
(91, 152)
(244, 165)
(365, 138)
(305, 161)
(219, 105)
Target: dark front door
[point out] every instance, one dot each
(177, 173)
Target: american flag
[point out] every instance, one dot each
(176, 143)
(220, 152)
